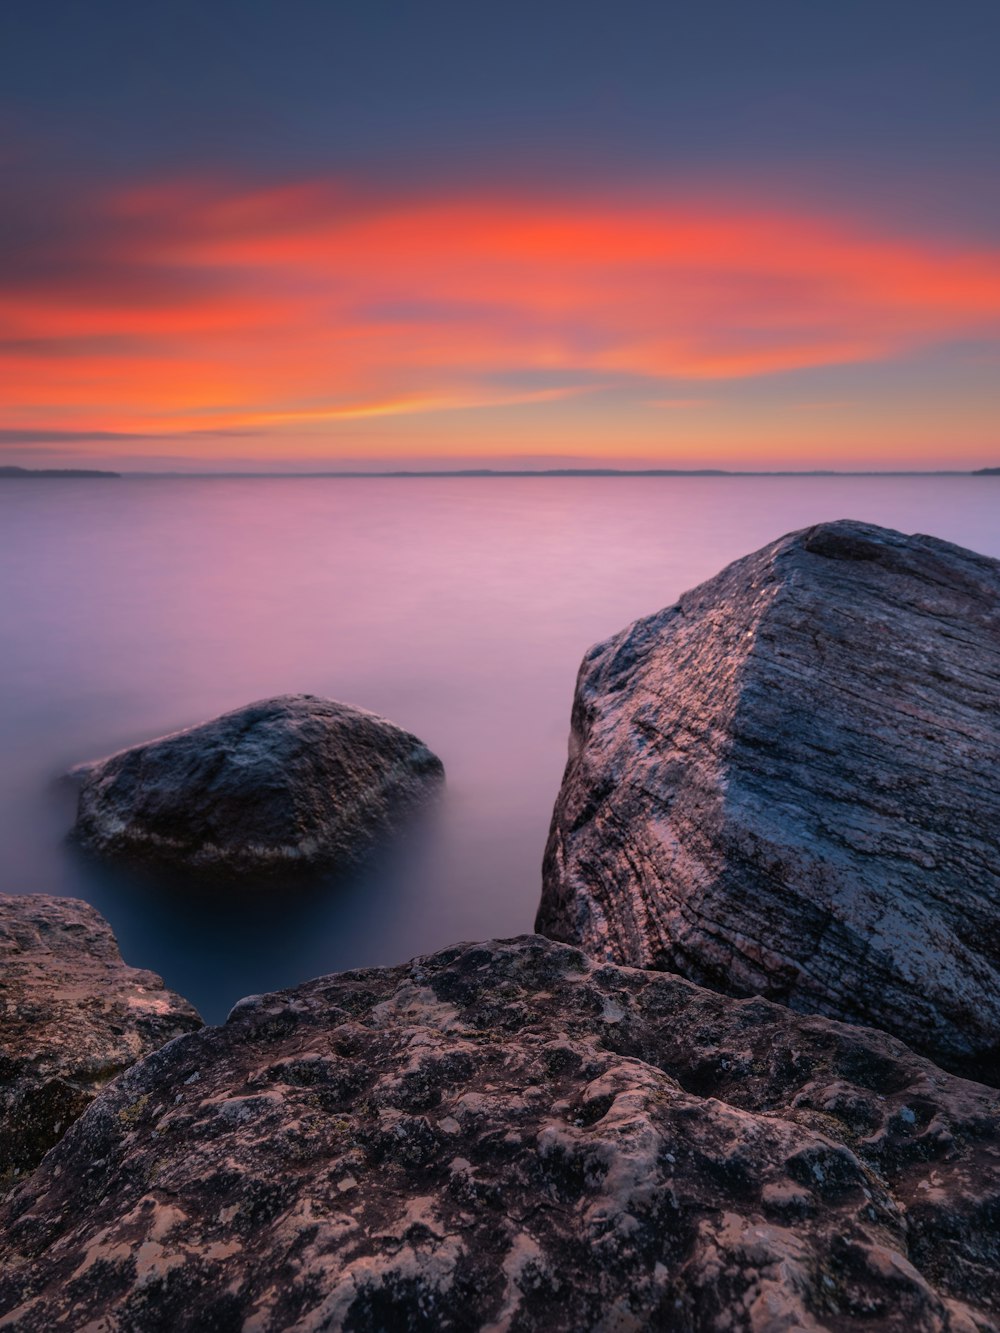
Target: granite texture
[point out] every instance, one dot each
(787, 785)
(72, 1016)
(290, 784)
(514, 1136)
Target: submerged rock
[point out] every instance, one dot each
(787, 785)
(72, 1016)
(513, 1136)
(286, 784)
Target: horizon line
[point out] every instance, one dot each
(406, 473)
(15, 471)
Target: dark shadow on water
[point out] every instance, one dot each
(215, 943)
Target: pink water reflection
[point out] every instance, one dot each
(459, 608)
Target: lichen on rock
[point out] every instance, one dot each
(73, 1015)
(514, 1136)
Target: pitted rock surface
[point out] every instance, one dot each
(72, 1016)
(512, 1136)
(291, 783)
(787, 785)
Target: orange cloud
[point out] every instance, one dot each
(191, 307)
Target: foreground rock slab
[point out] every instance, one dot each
(513, 1136)
(787, 785)
(286, 784)
(72, 1016)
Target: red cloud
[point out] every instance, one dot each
(184, 306)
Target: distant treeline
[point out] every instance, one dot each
(502, 473)
(16, 472)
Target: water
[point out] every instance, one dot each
(458, 607)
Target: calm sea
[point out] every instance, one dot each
(459, 608)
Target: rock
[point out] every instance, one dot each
(72, 1016)
(787, 785)
(294, 783)
(513, 1136)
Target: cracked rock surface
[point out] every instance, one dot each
(787, 785)
(286, 784)
(514, 1136)
(72, 1016)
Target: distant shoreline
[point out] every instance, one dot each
(500, 473)
(21, 473)
(29, 473)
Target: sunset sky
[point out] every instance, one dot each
(305, 235)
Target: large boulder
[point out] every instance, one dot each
(72, 1016)
(788, 784)
(513, 1136)
(294, 783)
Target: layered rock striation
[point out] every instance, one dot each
(294, 783)
(514, 1136)
(787, 785)
(72, 1016)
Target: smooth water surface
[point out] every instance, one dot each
(458, 607)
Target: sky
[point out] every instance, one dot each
(306, 234)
